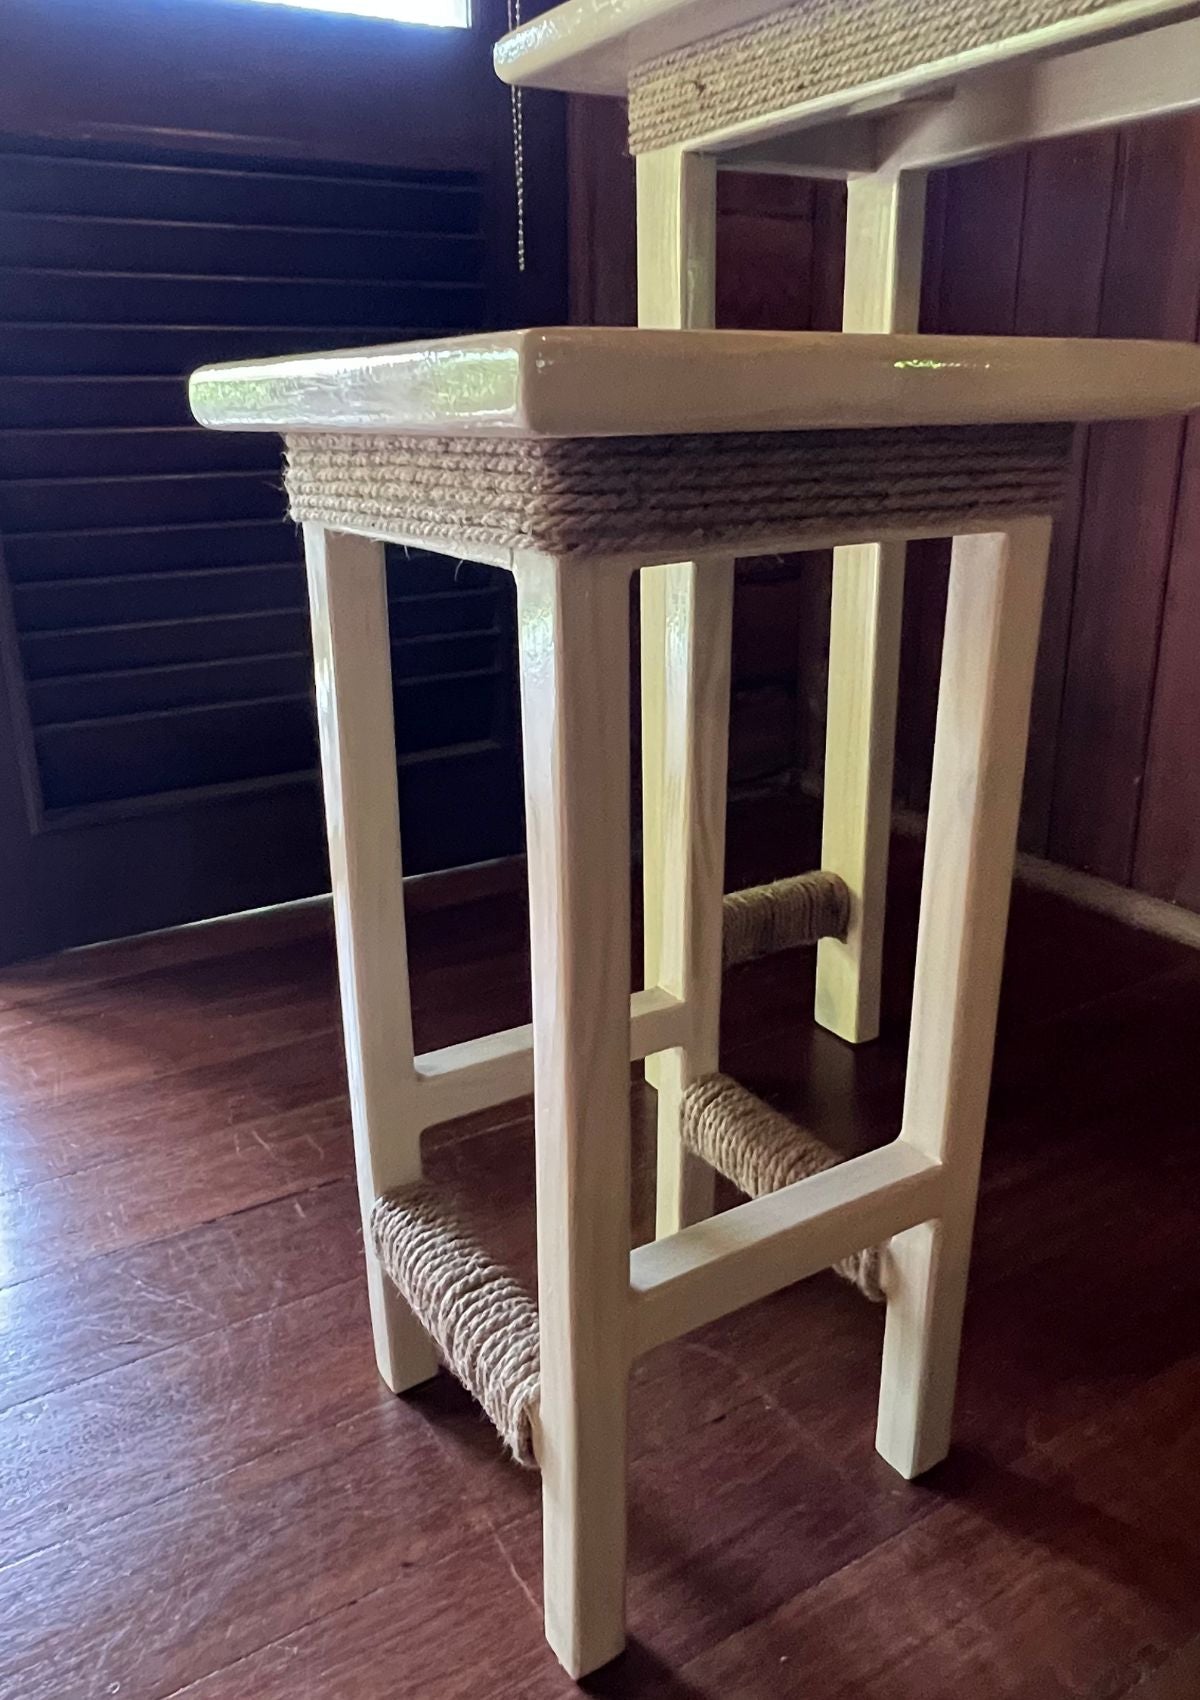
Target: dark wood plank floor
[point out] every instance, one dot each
(206, 1492)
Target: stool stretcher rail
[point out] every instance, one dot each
(747, 1253)
(762, 1151)
(478, 1073)
(483, 1322)
(783, 915)
(474, 1075)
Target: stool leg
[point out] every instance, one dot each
(573, 625)
(685, 626)
(992, 621)
(685, 682)
(884, 233)
(348, 600)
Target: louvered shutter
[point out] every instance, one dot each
(157, 592)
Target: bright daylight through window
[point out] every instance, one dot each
(453, 14)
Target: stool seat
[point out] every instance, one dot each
(594, 382)
(657, 443)
(698, 66)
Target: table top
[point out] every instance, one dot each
(592, 382)
(590, 46)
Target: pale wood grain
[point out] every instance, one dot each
(744, 1254)
(573, 630)
(1116, 83)
(458, 1080)
(884, 238)
(348, 597)
(992, 623)
(590, 46)
(599, 382)
(686, 637)
(1004, 105)
(676, 240)
(691, 644)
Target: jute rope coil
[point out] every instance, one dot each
(766, 918)
(760, 1151)
(590, 494)
(481, 1319)
(816, 48)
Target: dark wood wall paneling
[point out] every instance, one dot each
(1096, 235)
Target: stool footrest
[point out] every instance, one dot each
(483, 1322)
(760, 1151)
(800, 910)
(742, 1255)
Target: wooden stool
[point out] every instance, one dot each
(878, 92)
(575, 458)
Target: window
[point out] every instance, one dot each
(453, 14)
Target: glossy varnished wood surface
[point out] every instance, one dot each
(591, 45)
(207, 1493)
(604, 381)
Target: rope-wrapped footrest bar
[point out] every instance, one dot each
(483, 1322)
(760, 1151)
(790, 912)
(814, 48)
(580, 495)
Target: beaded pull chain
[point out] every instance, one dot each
(518, 141)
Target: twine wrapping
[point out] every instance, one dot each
(761, 1151)
(482, 1321)
(817, 48)
(766, 918)
(597, 494)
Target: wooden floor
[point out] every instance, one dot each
(207, 1493)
